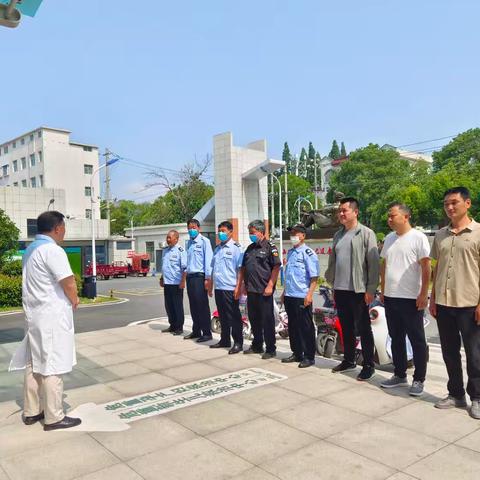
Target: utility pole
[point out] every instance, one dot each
(286, 204)
(315, 181)
(107, 185)
(272, 205)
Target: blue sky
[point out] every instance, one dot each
(156, 82)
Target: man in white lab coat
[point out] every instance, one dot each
(49, 295)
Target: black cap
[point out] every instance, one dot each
(298, 227)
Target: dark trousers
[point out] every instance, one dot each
(262, 321)
(354, 318)
(199, 306)
(403, 318)
(230, 317)
(454, 325)
(174, 306)
(301, 330)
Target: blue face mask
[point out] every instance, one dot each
(223, 236)
(193, 233)
(253, 238)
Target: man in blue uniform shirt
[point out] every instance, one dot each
(199, 269)
(174, 264)
(226, 263)
(300, 281)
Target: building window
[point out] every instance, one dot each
(24, 163)
(14, 145)
(33, 182)
(22, 141)
(88, 191)
(150, 248)
(15, 165)
(31, 227)
(5, 149)
(15, 184)
(124, 245)
(24, 183)
(32, 160)
(88, 169)
(40, 180)
(40, 156)
(39, 134)
(88, 213)
(87, 149)
(31, 137)
(5, 170)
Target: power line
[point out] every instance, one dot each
(426, 141)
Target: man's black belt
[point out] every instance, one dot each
(197, 274)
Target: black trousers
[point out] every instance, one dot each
(354, 318)
(230, 317)
(403, 318)
(199, 306)
(301, 330)
(262, 321)
(174, 306)
(454, 325)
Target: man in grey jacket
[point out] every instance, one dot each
(353, 271)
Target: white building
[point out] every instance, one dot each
(46, 158)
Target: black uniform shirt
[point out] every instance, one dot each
(259, 259)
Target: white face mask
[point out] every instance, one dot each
(295, 240)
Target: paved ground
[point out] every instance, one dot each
(312, 425)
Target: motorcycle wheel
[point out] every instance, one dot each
(283, 333)
(215, 325)
(320, 343)
(329, 348)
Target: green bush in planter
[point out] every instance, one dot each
(10, 291)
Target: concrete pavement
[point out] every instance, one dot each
(310, 425)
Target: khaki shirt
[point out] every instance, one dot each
(457, 282)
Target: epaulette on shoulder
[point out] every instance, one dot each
(180, 248)
(309, 252)
(237, 244)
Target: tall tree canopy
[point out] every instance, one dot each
(335, 151)
(9, 234)
(462, 151)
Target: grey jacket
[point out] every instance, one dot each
(365, 259)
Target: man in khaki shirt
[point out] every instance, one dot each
(455, 299)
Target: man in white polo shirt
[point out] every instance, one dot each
(405, 275)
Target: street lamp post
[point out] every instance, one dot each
(298, 202)
(280, 226)
(92, 216)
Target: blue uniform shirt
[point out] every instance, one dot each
(199, 256)
(302, 265)
(226, 262)
(173, 265)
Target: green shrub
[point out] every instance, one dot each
(10, 291)
(79, 281)
(13, 268)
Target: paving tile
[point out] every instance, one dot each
(319, 418)
(367, 400)
(143, 437)
(10, 412)
(127, 369)
(447, 425)
(277, 367)
(121, 346)
(389, 444)
(3, 475)
(267, 399)
(401, 476)
(141, 383)
(63, 461)
(209, 417)
(255, 473)
(133, 355)
(120, 471)
(325, 461)
(181, 345)
(261, 439)
(471, 441)
(197, 459)
(103, 360)
(207, 353)
(100, 338)
(452, 462)
(192, 371)
(237, 362)
(313, 385)
(94, 393)
(159, 363)
(84, 350)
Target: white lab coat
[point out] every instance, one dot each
(49, 340)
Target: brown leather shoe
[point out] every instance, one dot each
(33, 419)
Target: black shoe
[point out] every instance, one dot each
(268, 355)
(366, 374)
(33, 419)
(220, 345)
(67, 422)
(237, 348)
(291, 359)
(204, 338)
(177, 332)
(344, 367)
(168, 330)
(305, 363)
(252, 350)
(191, 336)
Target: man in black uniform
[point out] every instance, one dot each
(260, 267)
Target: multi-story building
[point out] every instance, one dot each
(47, 158)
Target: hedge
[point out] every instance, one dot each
(12, 268)
(10, 291)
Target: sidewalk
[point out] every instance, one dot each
(311, 425)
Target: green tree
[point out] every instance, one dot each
(335, 151)
(288, 159)
(302, 164)
(310, 163)
(343, 150)
(462, 151)
(9, 234)
(123, 211)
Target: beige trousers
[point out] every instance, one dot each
(43, 393)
